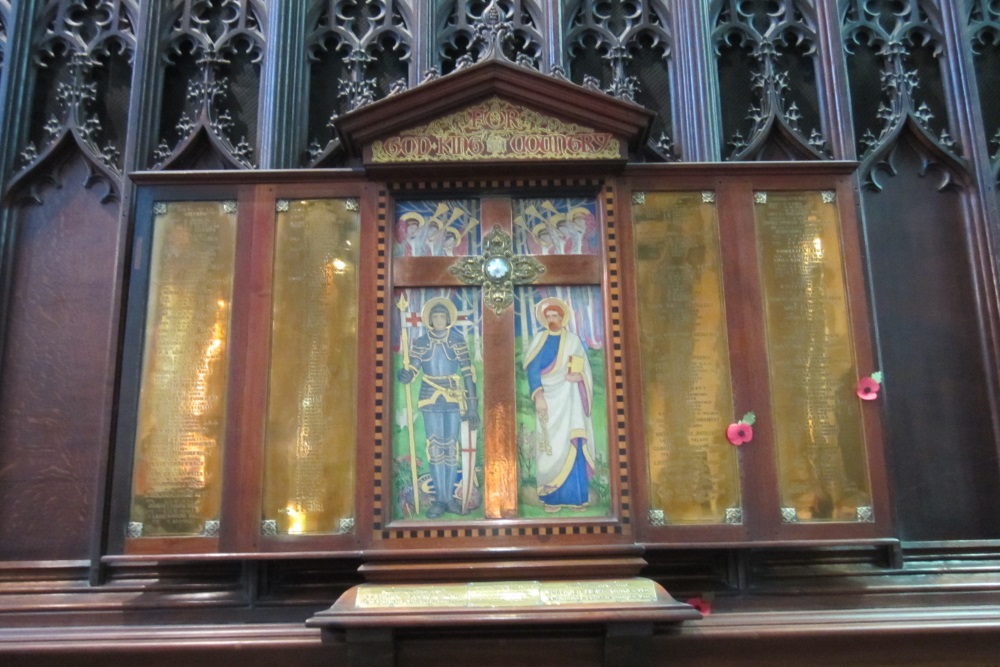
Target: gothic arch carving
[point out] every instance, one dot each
(83, 54)
(948, 169)
(4, 21)
(983, 22)
(624, 50)
(367, 46)
(458, 44)
(893, 31)
(779, 38)
(215, 49)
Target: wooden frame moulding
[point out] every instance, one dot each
(244, 488)
(522, 535)
(130, 375)
(734, 185)
(240, 535)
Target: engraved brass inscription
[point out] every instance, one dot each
(818, 431)
(309, 436)
(176, 487)
(500, 594)
(685, 359)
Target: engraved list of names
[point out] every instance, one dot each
(687, 393)
(176, 486)
(818, 434)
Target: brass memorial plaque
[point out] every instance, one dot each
(310, 428)
(501, 594)
(687, 394)
(176, 484)
(817, 420)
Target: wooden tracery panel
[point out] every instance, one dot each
(58, 370)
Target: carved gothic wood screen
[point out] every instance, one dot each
(895, 97)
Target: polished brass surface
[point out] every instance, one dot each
(684, 355)
(177, 484)
(822, 467)
(506, 594)
(312, 405)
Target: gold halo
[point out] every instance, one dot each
(413, 215)
(552, 301)
(425, 312)
(539, 228)
(579, 210)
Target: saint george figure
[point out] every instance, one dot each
(448, 404)
(561, 385)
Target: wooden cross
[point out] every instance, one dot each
(499, 381)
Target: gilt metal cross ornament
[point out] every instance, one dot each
(497, 270)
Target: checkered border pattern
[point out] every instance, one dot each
(614, 298)
(382, 500)
(380, 357)
(488, 184)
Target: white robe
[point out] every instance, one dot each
(569, 405)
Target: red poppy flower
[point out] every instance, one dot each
(739, 433)
(868, 389)
(704, 606)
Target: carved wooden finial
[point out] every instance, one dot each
(493, 30)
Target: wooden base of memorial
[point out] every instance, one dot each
(369, 616)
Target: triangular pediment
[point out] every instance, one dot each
(496, 129)
(494, 111)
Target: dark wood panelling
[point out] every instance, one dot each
(56, 388)
(941, 448)
(724, 639)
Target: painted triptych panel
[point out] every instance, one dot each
(436, 228)
(561, 403)
(556, 226)
(437, 404)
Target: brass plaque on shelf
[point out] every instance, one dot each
(312, 406)
(822, 466)
(496, 130)
(526, 603)
(687, 396)
(177, 481)
(506, 594)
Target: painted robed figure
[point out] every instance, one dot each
(561, 384)
(448, 404)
